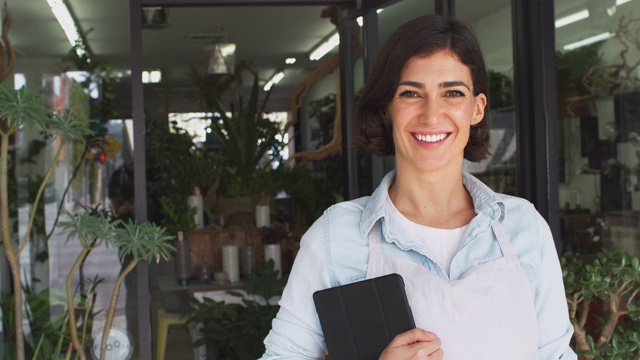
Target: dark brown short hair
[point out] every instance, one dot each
(422, 36)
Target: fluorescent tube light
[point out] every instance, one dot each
(151, 77)
(361, 21)
(570, 19)
(589, 40)
(290, 61)
(325, 47)
(274, 80)
(620, 2)
(63, 15)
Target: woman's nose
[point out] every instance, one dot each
(430, 112)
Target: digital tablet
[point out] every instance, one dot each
(360, 319)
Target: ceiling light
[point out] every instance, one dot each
(222, 58)
(63, 15)
(274, 80)
(360, 21)
(153, 76)
(570, 19)
(620, 2)
(588, 41)
(290, 61)
(324, 47)
(155, 17)
(222, 55)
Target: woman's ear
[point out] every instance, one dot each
(481, 105)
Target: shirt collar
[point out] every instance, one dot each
(485, 200)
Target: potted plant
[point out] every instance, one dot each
(602, 294)
(246, 136)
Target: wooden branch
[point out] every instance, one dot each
(604, 80)
(584, 314)
(5, 71)
(334, 147)
(573, 308)
(612, 321)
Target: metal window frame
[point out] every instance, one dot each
(536, 108)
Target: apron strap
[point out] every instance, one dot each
(375, 238)
(375, 247)
(503, 239)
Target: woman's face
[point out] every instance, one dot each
(432, 111)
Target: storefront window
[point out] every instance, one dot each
(597, 53)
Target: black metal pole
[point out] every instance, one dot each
(140, 177)
(536, 107)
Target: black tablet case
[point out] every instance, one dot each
(360, 319)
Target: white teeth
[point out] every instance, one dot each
(430, 138)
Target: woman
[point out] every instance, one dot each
(481, 271)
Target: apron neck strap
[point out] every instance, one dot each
(503, 239)
(375, 237)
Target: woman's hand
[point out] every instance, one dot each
(413, 344)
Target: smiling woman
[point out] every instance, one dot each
(480, 268)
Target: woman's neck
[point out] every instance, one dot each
(434, 199)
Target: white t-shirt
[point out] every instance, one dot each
(440, 245)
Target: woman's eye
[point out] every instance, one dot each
(408, 93)
(455, 93)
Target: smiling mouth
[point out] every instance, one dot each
(430, 138)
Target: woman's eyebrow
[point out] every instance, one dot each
(447, 84)
(411, 83)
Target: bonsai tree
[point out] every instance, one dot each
(21, 109)
(602, 298)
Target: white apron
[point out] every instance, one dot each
(488, 314)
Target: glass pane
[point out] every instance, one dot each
(389, 18)
(498, 171)
(597, 64)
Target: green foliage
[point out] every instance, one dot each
(48, 321)
(323, 110)
(500, 90)
(176, 219)
(237, 331)
(572, 65)
(175, 166)
(246, 137)
(21, 107)
(611, 277)
(91, 228)
(144, 241)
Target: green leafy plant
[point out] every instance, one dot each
(246, 137)
(143, 242)
(176, 219)
(602, 298)
(236, 331)
(500, 90)
(175, 166)
(18, 109)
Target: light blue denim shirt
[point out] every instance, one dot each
(335, 251)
